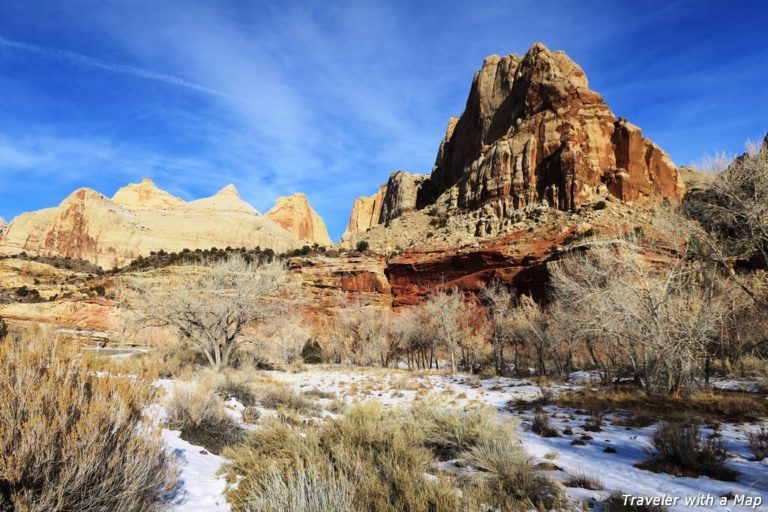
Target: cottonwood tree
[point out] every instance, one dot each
(449, 314)
(500, 301)
(733, 211)
(282, 337)
(641, 305)
(210, 307)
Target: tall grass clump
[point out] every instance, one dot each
(198, 412)
(71, 440)
(506, 479)
(449, 431)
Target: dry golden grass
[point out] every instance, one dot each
(70, 440)
(584, 480)
(144, 365)
(378, 459)
(706, 406)
(285, 397)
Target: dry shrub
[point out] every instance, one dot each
(367, 453)
(378, 459)
(229, 383)
(682, 451)
(594, 423)
(320, 394)
(282, 396)
(302, 491)
(199, 414)
(251, 414)
(758, 443)
(584, 480)
(70, 440)
(506, 478)
(541, 425)
(448, 432)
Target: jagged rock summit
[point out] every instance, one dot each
(296, 216)
(533, 132)
(139, 219)
(146, 195)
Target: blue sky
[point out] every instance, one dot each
(330, 97)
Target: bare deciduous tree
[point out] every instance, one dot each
(449, 316)
(653, 314)
(499, 300)
(733, 210)
(211, 306)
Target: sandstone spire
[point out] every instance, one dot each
(296, 216)
(365, 213)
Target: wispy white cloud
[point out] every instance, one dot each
(85, 60)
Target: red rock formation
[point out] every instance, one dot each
(516, 259)
(533, 131)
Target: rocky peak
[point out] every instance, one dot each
(228, 198)
(533, 135)
(295, 215)
(401, 194)
(228, 191)
(146, 195)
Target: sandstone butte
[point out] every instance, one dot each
(295, 215)
(532, 138)
(532, 131)
(141, 218)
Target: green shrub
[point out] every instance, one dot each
(362, 246)
(312, 353)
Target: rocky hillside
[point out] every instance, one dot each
(139, 219)
(532, 135)
(295, 215)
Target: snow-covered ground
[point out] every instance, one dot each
(201, 489)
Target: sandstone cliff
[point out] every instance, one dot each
(139, 219)
(533, 132)
(365, 213)
(295, 215)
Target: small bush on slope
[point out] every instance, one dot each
(758, 443)
(199, 414)
(507, 479)
(72, 441)
(375, 457)
(683, 451)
